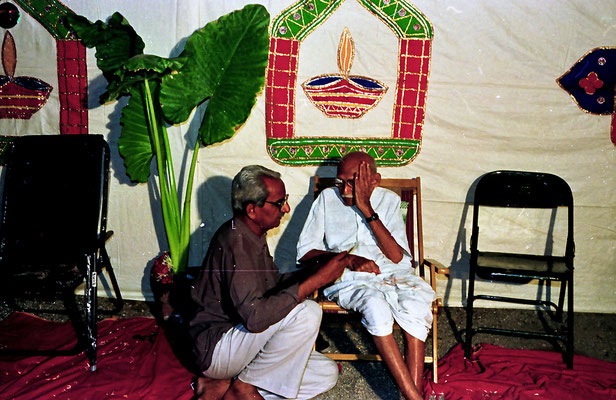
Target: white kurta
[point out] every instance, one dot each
(333, 226)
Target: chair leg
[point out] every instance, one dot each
(91, 323)
(469, 316)
(569, 345)
(435, 347)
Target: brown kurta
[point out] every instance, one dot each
(239, 285)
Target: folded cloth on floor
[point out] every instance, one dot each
(135, 361)
(495, 372)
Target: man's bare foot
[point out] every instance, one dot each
(209, 388)
(242, 391)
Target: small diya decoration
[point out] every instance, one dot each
(21, 96)
(343, 95)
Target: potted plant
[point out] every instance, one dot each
(222, 63)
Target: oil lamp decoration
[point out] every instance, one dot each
(591, 82)
(343, 95)
(21, 96)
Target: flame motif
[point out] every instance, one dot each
(346, 52)
(9, 55)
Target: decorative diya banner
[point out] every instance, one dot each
(22, 97)
(342, 95)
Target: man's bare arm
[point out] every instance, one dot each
(322, 274)
(364, 187)
(355, 263)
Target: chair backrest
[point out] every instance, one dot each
(409, 191)
(522, 189)
(55, 199)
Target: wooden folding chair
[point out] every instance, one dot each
(409, 191)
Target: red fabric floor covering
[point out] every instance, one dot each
(498, 373)
(135, 361)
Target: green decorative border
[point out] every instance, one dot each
(50, 14)
(318, 150)
(301, 18)
(402, 17)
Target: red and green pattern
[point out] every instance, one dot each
(71, 61)
(309, 151)
(72, 68)
(287, 31)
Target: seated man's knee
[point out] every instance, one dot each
(312, 312)
(376, 316)
(330, 372)
(308, 316)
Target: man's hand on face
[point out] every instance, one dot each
(364, 186)
(361, 264)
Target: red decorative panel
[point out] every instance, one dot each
(413, 70)
(72, 87)
(280, 88)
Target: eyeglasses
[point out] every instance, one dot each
(339, 183)
(280, 203)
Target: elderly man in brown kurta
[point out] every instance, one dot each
(254, 330)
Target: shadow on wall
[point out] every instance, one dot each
(286, 250)
(115, 129)
(214, 208)
(460, 260)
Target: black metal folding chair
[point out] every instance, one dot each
(54, 229)
(521, 190)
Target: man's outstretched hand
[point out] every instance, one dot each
(334, 267)
(361, 264)
(324, 274)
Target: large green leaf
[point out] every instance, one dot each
(115, 41)
(135, 140)
(226, 63)
(134, 143)
(139, 68)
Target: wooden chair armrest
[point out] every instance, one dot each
(438, 267)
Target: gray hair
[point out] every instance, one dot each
(248, 187)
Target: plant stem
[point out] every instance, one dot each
(185, 223)
(169, 201)
(170, 172)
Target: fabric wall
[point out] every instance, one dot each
(492, 103)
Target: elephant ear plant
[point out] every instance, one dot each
(222, 63)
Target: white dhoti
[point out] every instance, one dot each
(279, 361)
(397, 293)
(401, 296)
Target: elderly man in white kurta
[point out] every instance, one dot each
(359, 217)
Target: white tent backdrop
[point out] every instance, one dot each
(492, 103)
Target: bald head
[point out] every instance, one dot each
(351, 162)
(353, 166)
